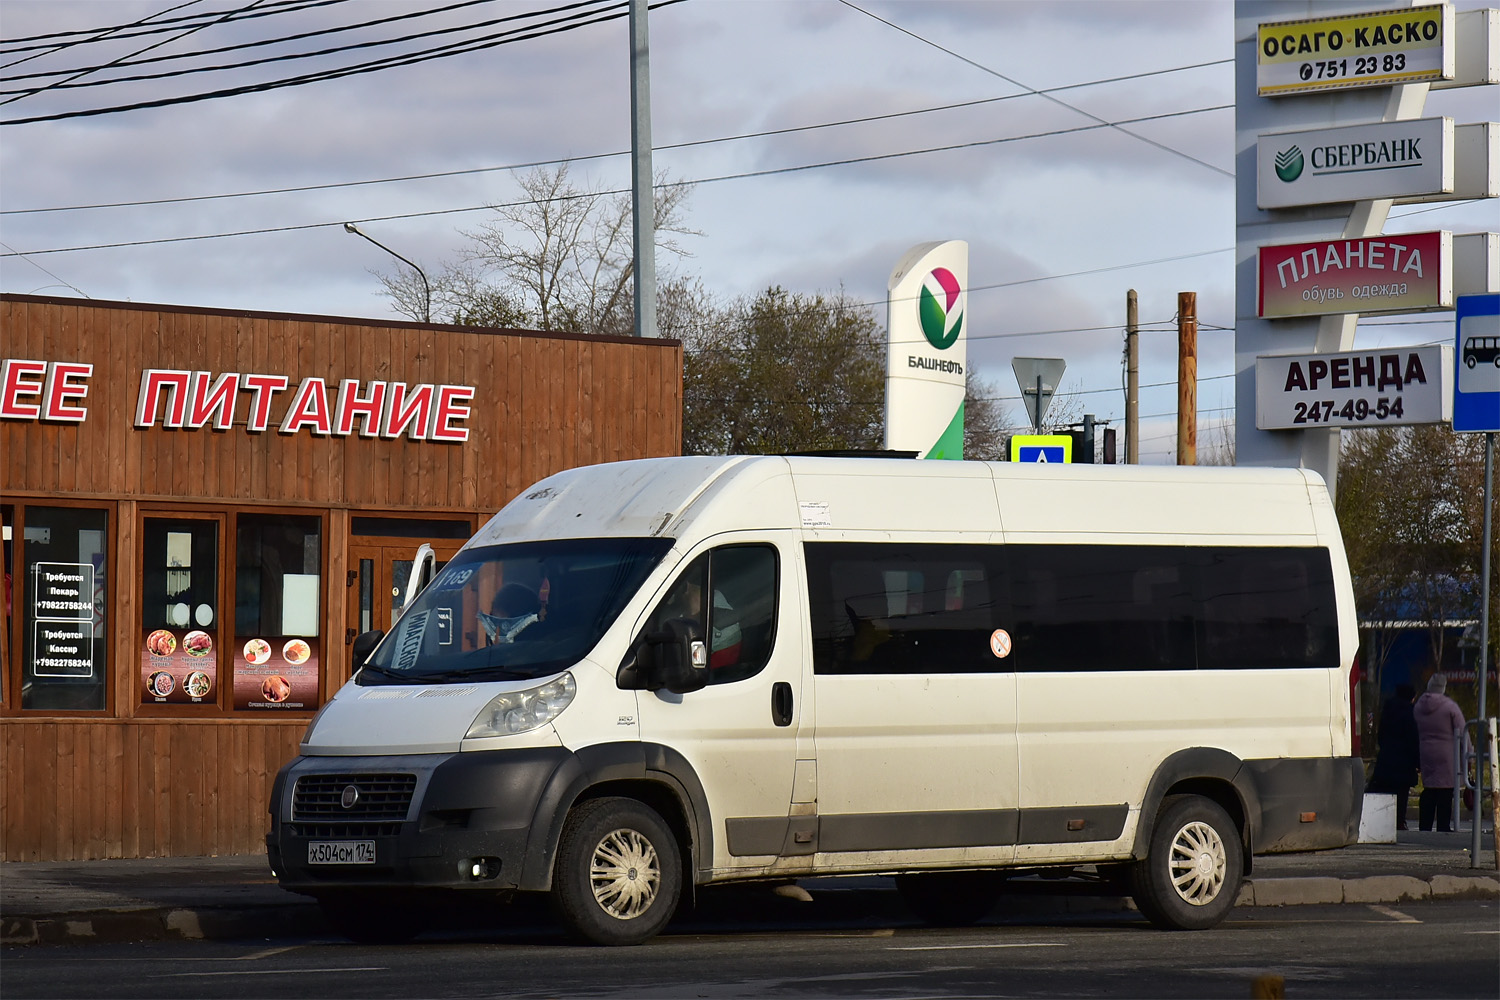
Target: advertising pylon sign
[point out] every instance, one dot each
(926, 350)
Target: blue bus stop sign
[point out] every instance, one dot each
(1476, 356)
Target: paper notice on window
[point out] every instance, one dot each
(815, 514)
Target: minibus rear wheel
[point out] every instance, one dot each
(950, 899)
(618, 876)
(1191, 876)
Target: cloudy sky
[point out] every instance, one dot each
(766, 104)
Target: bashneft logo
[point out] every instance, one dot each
(1289, 164)
(940, 308)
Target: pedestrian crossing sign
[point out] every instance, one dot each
(1055, 449)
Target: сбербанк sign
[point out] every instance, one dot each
(1354, 163)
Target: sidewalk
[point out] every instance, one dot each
(230, 898)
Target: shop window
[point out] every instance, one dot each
(180, 626)
(277, 647)
(65, 603)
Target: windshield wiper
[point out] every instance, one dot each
(380, 671)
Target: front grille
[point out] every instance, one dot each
(383, 798)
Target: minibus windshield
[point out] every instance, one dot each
(513, 612)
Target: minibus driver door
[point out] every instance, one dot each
(736, 722)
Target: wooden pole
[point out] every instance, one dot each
(1187, 378)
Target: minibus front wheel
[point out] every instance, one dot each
(1191, 875)
(618, 876)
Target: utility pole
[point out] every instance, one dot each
(1187, 378)
(1132, 380)
(642, 195)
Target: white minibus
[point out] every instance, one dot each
(645, 677)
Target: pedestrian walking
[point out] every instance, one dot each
(1396, 757)
(1439, 720)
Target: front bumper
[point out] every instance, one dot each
(437, 821)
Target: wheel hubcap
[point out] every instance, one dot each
(625, 874)
(1198, 864)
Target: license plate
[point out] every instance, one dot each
(341, 852)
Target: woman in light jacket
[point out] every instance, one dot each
(1438, 719)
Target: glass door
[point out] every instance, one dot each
(379, 570)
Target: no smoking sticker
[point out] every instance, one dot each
(1000, 643)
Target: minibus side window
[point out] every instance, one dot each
(740, 625)
(1268, 607)
(1103, 607)
(902, 609)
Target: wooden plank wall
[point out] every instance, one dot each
(79, 789)
(543, 403)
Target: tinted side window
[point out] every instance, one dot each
(1271, 607)
(902, 609)
(1103, 607)
(740, 622)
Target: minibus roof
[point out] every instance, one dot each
(697, 496)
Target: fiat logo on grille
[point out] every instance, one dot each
(350, 798)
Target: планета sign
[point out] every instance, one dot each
(1411, 272)
(1395, 385)
(1354, 163)
(1374, 49)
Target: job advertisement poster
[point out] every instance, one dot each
(63, 620)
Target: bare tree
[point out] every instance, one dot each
(563, 255)
(560, 258)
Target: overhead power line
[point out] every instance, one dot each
(312, 53)
(1055, 100)
(94, 69)
(152, 24)
(332, 185)
(769, 172)
(557, 25)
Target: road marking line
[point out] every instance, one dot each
(272, 972)
(267, 953)
(1395, 915)
(971, 947)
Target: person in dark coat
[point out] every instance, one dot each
(1396, 759)
(1439, 721)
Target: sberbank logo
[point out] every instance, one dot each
(939, 309)
(1289, 164)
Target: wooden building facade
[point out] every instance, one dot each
(202, 508)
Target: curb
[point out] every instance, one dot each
(241, 923)
(120, 926)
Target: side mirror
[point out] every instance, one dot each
(364, 645)
(675, 658)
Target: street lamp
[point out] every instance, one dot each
(350, 227)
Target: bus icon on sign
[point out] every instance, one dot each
(1478, 360)
(1482, 351)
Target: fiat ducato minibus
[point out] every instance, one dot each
(642, 678)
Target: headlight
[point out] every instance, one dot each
(523, 711)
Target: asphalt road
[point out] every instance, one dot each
(1430, 950)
